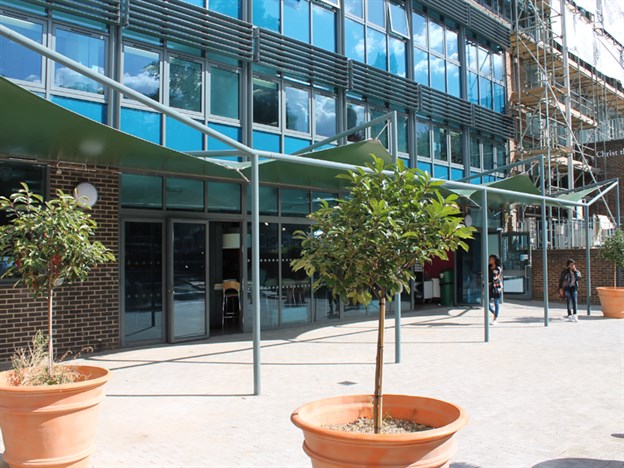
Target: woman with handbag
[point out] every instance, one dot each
(495, 285)
(568, 288)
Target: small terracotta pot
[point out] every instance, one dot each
(611, 301)
(331, 448)
(51, 425)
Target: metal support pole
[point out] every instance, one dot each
(255, 268)
(587, 259)
(485, 277)
(544, 249)
(618, 225)
(394, 149)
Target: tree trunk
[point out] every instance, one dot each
(378, 400)
(50, 343)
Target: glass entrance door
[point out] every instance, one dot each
(187, 280)
(517, 264)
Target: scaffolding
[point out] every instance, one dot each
(563, 107)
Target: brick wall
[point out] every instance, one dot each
(86, 314)
(610, 162)
(602, 273)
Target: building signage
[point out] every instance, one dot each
(609, 153)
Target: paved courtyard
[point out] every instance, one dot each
(537, 396)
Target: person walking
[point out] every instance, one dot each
(496, 286)
(568, 288)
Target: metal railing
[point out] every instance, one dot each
(569, 234)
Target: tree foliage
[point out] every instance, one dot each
(613, 249)
(366, 245)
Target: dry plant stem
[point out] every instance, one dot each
(50, 344)
(378, 400)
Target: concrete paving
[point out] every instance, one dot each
(544, 397)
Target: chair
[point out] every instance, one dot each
(231, 291)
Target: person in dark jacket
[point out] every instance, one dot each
(568, 288)
(496, 286)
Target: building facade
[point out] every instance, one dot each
(276, 75)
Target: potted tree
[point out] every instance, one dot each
(47, 410)
(363, 249)
(612, 297)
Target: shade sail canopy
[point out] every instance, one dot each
(34, 128)
(520, 185)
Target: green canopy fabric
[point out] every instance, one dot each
(34, 128)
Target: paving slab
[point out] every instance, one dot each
(544, 397)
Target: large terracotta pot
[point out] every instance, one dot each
(331, 448)
(612, 301)
(51, 425)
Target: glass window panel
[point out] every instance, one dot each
(473, 88)
(376, 11)
(475, 155)
(224, 197)
(184, 194)
(499, 98)
(398, 20)
(452, 78)
(380, 130)
(419, 30)
(181, 137)
(227, 7)
(354, 40)
(488, 156)
(297, 19)
(268, 200)
(402, 133)
(295, 284)
(421, 67)
(324, 28)
(356, 115)
(142, 71)
(440, 172)
(485, 92)
(325, 114)
(451, 45)
(266, 141)
(140, 123)
(499, 66)
(425, 167)
(501, 155)
(269, 273)
(195, 2)
(227, 130)
(85, 49)
(185, 84)
(297, 109)
(17, 61)
(11, 176)
(397, 56)
(376, 49)
(292, 144)
(354, 7)
(141, 191)
(438, 80)
(423, 139)
(265, 102)
(266, 14)
(224, 86)
(330, 199)
(92, 110)
(484, 62)
(295, 202)
(436, 37)
(439, 144)
(456, 148)
(471, 55)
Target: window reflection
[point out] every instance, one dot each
(376, 12)
(269, 274)
(354, 40)
(456, 147)
(85, 49)
(423, 139)
(356, 115)
(185, 84)
(266, 14)
(227, 7)
(142, 71)
(397, 56)
(354, 7)
(17, 61)
(439, 144)
(224, 86)
(419, 30)
(325, 114)
(437, 73)
(297, 109)
(296, 286)
(475, 154)
(324, 28)
(398, 19)
(436, 38)
(376, 48)
(421, 67)
(297, 19)
(265, 102)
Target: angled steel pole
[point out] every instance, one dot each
(255, 269)
(587, 259)
(485, 277)
(618, 225)
(544, 250)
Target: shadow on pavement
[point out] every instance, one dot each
(579, 463)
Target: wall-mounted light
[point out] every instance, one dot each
(86, 194)
(231, 241)
(468, 220)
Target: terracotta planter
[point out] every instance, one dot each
(611, 301)
(54, 425)
(330, 448)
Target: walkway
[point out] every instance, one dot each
(537, 397)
